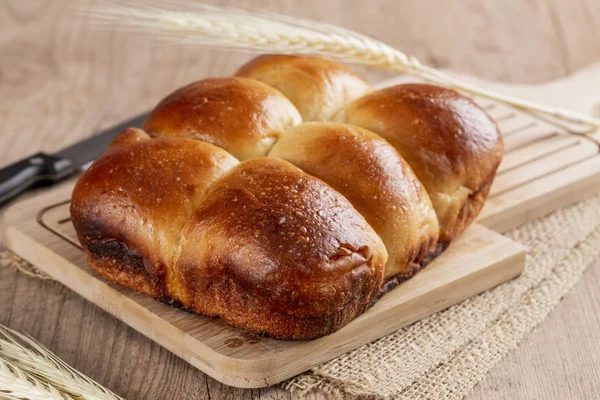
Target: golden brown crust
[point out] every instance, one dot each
(250, 313)
(129, 207)
(452, 145)
(264, 245)
(277, 251)
(243, 116)
(319, 88)
(371, 174)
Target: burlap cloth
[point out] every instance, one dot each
(446, 355)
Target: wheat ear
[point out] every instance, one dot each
(28, 370)
(15, 384)
(274, 33)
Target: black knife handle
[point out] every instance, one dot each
(22, 175)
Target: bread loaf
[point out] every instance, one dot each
(319, 218)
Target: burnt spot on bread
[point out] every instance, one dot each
(394, 282)
(118, 252)
(426, 248)
(422, 251)
(413, 269)
(433, 254)
(120, 263)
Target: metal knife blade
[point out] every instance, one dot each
(86, 151)
(48, 169)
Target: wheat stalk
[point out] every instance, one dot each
(16, 385)
(28, 370)
(266, 32)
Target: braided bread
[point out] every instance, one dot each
(287, 199)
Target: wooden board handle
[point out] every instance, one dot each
(578, 92)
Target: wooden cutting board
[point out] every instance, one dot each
(40, 230)
(546, 166)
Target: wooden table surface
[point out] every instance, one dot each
(60, 80)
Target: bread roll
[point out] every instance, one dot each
(243, 116)
(273, 250)
(371, 174)
(130, 206)
(319, 88)
(451, 144)
(290, 249)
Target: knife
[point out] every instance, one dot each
(47, 169)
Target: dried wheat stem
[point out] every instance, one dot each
(16, 385)
(253, 31)
(28, 370)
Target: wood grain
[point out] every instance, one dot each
(59, 81)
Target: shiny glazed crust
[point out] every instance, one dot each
(268, 247)
(294, 245)
(130, 206)
(273, 249)
(453, 146)
(318, 87)
(243, 116)
(371, 174)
